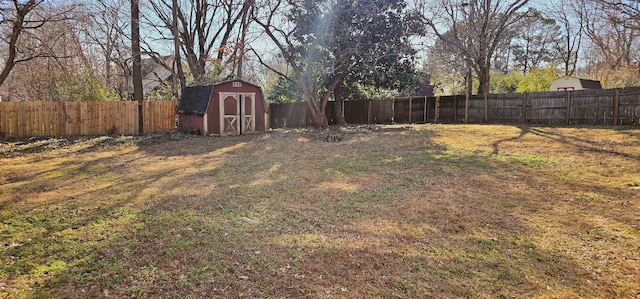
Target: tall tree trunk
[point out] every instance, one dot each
(468, 81)
(486, 90)
(320, 119)
(319, 107)
(484, 76)
(176, 47)
(137, 61)
(246, 11)
(16, 30)
(316, 109)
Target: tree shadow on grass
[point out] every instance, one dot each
(524, 130)
(417, 223)
(463, 247)
(71, 145)
(582, 144)
(50, 231)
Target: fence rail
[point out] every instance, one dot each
(57, 119)
(588, 107)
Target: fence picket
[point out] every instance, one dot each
(609, 106)
(58, 119)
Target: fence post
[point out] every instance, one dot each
(486, 107)
(466, 107)
(568, 117)
(455, 109)
(410, 108)
(425, 109)
(437, 110)
(393, 109)
(616, 107)
(524, 107)
(369, 112)
(426, 116)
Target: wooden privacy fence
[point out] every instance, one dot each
(587, 107)
(50, 119)
(295, 115)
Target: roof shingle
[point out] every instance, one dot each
(195, 99)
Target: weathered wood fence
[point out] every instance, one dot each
(588, 107)
(50, 119)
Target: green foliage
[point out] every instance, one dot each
(164, 93)
(447, 84)
(282, 90)
(359, 91)
(81, 86)
(505, 83)
(451, 84)
(538, 79)
(337, 40)
(389, 65)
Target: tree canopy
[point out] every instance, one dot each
(332, 41)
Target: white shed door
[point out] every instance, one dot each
(237, 113)
(248, 113)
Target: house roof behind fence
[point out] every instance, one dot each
(194, 99)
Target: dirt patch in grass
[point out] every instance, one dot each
(380, 211)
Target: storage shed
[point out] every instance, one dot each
(569, 83)
(231, 107)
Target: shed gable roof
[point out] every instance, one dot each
(195, 99)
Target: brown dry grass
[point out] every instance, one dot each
(389, 211)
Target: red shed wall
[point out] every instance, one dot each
(190, 122)
(213, 111)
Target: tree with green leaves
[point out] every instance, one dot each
(506, 83)
(386, 65)
(538, 79)
(282, 90)
(327, 42)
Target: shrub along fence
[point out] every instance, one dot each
(57, 119)
(586, 107)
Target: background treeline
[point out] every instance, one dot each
(314, 51)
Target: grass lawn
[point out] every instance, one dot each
(388, 211)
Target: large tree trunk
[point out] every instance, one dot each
(468, 81)
(247, 10)
(182, 81)
(317, 111)
(318, 106)
(320, 119)
(137, 61)
(486, 84)
(484, 77)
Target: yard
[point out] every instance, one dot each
(402, 211)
